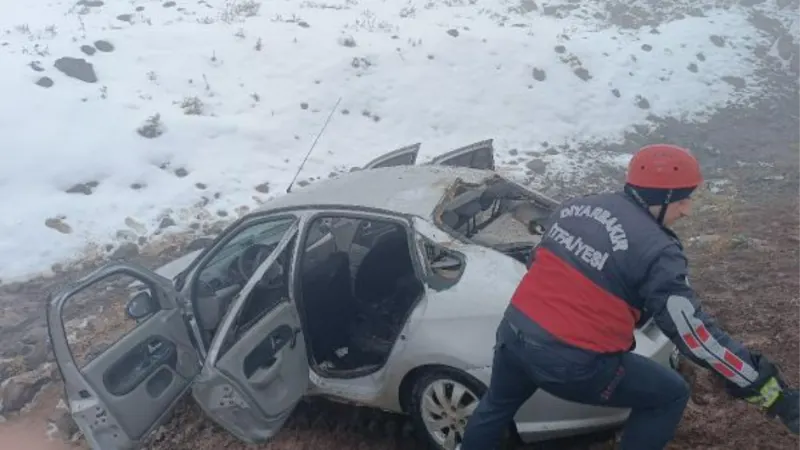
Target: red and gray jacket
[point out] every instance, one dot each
(604, 266)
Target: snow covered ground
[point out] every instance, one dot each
(119, 114)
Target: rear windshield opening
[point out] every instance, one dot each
(496, 213)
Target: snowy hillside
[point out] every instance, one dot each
(119, 114)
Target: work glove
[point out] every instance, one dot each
(771, 394)
(787, 408)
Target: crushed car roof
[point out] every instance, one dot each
(414, 190)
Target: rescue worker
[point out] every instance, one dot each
(607, 263)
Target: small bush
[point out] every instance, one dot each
(152, 127)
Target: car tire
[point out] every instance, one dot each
(427, 388)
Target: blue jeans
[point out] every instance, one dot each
(656, 395)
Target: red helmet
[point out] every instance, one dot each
(664, 166)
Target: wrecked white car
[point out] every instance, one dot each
(382, 287)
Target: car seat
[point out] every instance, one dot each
(329, 304)
(383, 265)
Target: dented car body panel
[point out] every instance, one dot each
(348, 289)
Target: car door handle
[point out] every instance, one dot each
(266, 374)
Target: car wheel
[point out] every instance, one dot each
(441, 403)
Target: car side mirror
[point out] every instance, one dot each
(141, 306)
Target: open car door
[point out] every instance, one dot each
(479, 155)
(119, 394)
(405, 156)
(257, 368)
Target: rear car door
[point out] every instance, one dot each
(121, 385)
(405, 156)
(257, 369)
(479, 155)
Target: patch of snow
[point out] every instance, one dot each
(717, 186)
(75, 326)
(51, 431)
(228, 95)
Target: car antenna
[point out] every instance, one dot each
(325, 125)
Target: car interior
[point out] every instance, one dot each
(356, 286)
(221, 279)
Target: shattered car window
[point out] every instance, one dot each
(497, 213)
(266, 233)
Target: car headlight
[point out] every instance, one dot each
(675, 359)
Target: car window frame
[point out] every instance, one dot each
(357, 213)
(189, 286)
(432, 279)
(234, 333)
